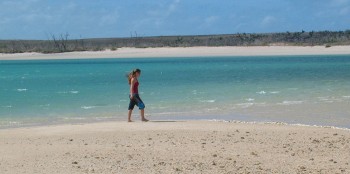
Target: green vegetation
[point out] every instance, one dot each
(62, 43)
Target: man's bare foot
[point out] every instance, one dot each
(144, 120)
(130, 121)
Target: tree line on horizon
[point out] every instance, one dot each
(62, 43)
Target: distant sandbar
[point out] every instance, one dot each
(186, 52)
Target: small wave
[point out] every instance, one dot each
(22, 90)
(261, 92)
(260, 104)
(245, 105)
(280, 123)
(213, 109)
(74, 118)
(160, 107)
(346, 96)
(169, 113)
(14, 123)
(9, 106)
(107, 118)
(66, 92)
(323, 98)
(88, 107)
(274, 92)
(291, 102)
(61, 92)
(331, 99)
(207, 101)
(250, 99)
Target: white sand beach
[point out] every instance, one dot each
(174, 147)
(179, 146)
(186, 52)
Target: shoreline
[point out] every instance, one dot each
(46, 125)
(175, 147)
(163, 52)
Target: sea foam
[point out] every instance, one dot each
(291, 102)
(22, 90)
(250, 99)
(88, 107)
(261, 92)
(245, 105)
(207, 101)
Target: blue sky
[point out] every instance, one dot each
(36, 19)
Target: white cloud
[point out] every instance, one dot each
(21, 5)
(22, 12)
(267, 21)
(109, 18)
(172, 7)
(233, 16)
(158, 16)
(5, 20)
(345, 11)
(210, 20)
(339, 2)
(164, 11)
(336, 8)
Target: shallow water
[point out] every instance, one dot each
(293, 89)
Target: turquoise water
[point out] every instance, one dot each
(294, 89)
